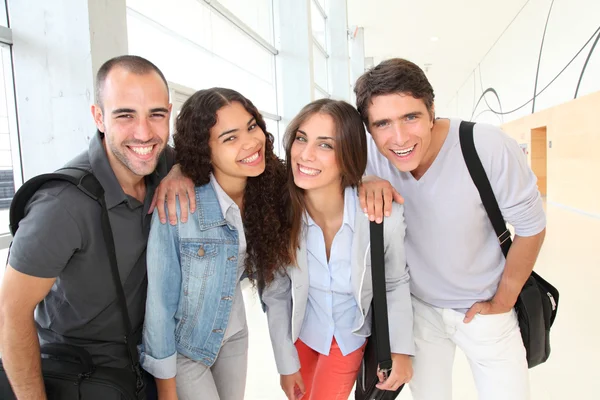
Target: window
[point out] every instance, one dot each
(10, 158)
(320, 55)
(256, 14)
(196, 46)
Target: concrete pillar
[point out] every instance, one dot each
(58, 47)
(339, 59)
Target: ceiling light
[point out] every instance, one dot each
(434, 38)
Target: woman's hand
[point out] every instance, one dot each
(402, 372)
(293, 386)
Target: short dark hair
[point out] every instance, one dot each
(393, 76)
(135, 64)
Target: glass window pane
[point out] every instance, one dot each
(3, 17)
(219, 54)
(318, 94)
(257, 14)
(318, 25)
(320, 68)
(273, 129)
(322, 3)
(9, 148)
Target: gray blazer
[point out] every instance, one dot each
(286, 297)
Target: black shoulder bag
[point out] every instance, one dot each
(68, 371)
(538, 301)
(377, 352)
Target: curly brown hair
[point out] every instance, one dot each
(392, 76)
(265, 210)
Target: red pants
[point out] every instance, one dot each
(328, 377)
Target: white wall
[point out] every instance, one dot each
(57, 49)
(510, 66)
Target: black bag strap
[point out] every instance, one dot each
(380, 310)
(88, 184)
(481, 181)
(112, 256)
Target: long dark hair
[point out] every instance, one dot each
(265, 210)
(350, 154)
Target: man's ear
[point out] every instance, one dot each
(98, 116)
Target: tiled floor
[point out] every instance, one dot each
(570, 259)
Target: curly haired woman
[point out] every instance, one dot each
(195, 340)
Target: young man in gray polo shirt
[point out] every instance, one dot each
(58, 264)
(463, 289)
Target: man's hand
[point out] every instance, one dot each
(402, 373)
(174, 185)
(293, 386)
(376, 197)
(486, 308)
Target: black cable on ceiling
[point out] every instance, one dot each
(545, 87)
(537, 72)
(585, 65)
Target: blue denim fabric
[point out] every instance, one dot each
(192, 277)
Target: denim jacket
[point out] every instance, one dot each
(192, 277)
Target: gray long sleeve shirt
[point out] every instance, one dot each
(452, 251)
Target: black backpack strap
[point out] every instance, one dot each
(88, 184)
(481, 181)
(380, 310)
(82, 178)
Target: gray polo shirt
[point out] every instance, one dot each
(61, 237)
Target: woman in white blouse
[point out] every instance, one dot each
(319, 309)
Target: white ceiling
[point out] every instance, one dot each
(466, 29)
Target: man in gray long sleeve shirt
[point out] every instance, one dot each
(463, 289)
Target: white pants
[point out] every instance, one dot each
(225, 380)
(492, 344)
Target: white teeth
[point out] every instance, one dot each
(309, 171)
(142, 150)
(405, 152)
(250, 159)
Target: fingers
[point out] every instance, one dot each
(378, 200)
(183, 206)
(160, 193)
(398, 197)
(371, 205)
(387, 201)
(191, 195)
(300, 384)
(362, 196)
(473, 311)
(389, 384)
(172, 207)
(152, 204)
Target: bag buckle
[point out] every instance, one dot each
(504, 237)
(385, 372)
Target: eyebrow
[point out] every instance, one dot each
(123, 110)
(235, 130)
(380, 121)
(318, 138)
(159, 109)
(132, 111)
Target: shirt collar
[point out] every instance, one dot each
(101, 168)
(225, 202)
